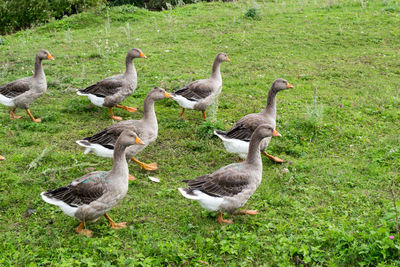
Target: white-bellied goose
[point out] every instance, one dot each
(21, 93)
(102, 143)
(199, 94)
(111, 91)
(93, 195)
(236, 140)
(229, 188)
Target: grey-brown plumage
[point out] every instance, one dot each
(229, 188)
(91, 196)
(110, 91)
(102, 143)
(237, 138)
(200, 94)
(21, 93)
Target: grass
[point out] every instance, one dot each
(329, 204)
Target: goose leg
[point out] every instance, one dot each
(204, 115)
(274, 159)
(82, 231)
(12, 114)
(114, 117)
(247, 212)
(31, 116)
(183, 112)
(220, 220)
(147, 167)
(129, 109)
(113, 224)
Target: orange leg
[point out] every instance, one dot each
(220, 220)
(247, 212)
(12, 114)
(113, 224)
(183, 112)
(82, 231)
(274, 159)
(31, 116)
(204, 115)
(129, 109)
(114, 117)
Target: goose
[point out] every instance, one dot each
(229, 188)
(102, 143)
(22, 92)
(93, 195)
(236, 140)
(199, 94)
(110, 91)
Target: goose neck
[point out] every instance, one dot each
(149, 113)
(130, 67)
(38, 68)
(120, 166)
(270, 108)
(216, 70)
(254, 156)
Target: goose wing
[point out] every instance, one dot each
(244, 128)
(224, 182)
(81, 191)
(106, 87)
(15, 88)
(196, 90)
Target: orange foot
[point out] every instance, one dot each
(118, 225)
(82, 231)
(247, 212)
(221, 220)
(274, 159)
(132, 177)
(116, 118)
(13, 116)
(37, 120)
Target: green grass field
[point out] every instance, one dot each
(331, 203)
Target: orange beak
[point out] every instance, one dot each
(138, 141)
(275, 133)
(228, 59)
(142, 55)
(288, 85)
(167, 95)
(50, 57)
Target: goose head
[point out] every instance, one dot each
(265, 130)
(281, 84)
(128, 138)
(222, 57)
(136, 53)
(158, 93)
(44, 54)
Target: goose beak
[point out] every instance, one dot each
(138, 141)
(50, 57)
(167, 95)
(228, 59)
(142, 55)
(275, 133)
(288, 85)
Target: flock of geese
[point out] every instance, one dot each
(93, 195)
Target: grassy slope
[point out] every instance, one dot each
(342, 150)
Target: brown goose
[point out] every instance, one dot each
(229, 188)
(110, 91)
(199, 94)
(236, 140)
(102, 143)
(93, 195)
(22, 92)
